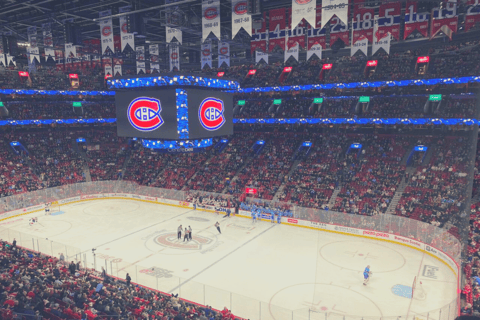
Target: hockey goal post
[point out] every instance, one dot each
(49, 208)
(417, 290)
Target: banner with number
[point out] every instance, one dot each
(33, 51)
(70, 53)
(363, 24)
(174, 56)
(389, 19)
(106, 31)
(173, 33)
(127, 39)
(277, 24)
(380, 41)
(472, 16)
(259, 36)
(154, 57)
(316, 34)
(303, 9)
(338, 30)
(117, 69)
(360, 45)
(206, 55)
(223, 53)
(240, 17)
(415, 21)
(292, 52)
(444, 19)
(295, 34)
(59, 60)
(337, 8)
(210, 18)
(259, 55)
(140, 53)
(108, 70)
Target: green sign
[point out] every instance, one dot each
(435, 97)
(317, 100)
(77, 104)
(241, 102)
(277, 101)
(364, 99)
(1, 104)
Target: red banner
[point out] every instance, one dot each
(59, 59)
(445, 19)
(117, 44)
(95, 48)
(363, 21)
(259, 37)
(276, 34)
(472, 16)
(389, 20)
(297, 34)
(415, 21)
(338, 30)
(316, 35)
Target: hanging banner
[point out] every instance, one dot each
(10, 60)
(70, 53)
(337, 8)
(117, 70)
(360, 45)
(303, 9)
(292, 52)
(362, 23)
(154, 57)
(47, 35)
(240, 17)
(127, 39)
(140, 53)
(174, 56)
(259, 55)
(2, 59)
(59, 60)
(315, 50)
(206, 55)
(380, 41)
(296, 34)
(472, 16)
(95, 48)
(338, 30)
(415, 21)
(315, 34)
(106, 31)
(223, 53)
(276, 34)
(33, 52)
(171, 33)
(259, 36)
(108, 70)
(210, 18)
(445, 20)
(389, 19)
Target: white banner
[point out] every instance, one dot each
(240, 17)
(206, 55)
(304, 9)
(361, 44)
(47, 36)
(117, 70)
(106, 31)
(223, 53)
(70, 52)
(173, 33)
(380, 43)
(49, 53)
(154, 58)
(316, 50)
(33, 53)
(140, 51)
(334, 7)
(108, 70)
(125, 37)
(210, 18)
(2, 59)
(174, 56)
(292, 52)
(259, 55)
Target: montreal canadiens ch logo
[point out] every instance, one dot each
(210, 13)
(241, 7)
(302, 1)
(106, 31)
(210, 114)
(144, 114)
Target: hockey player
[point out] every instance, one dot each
(254, 215)
(272, 216)
(217, 225)
(366, 275)
(279, 217)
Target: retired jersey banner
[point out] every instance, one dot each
(303, 9)
(140, 52)
(472, 16)
(415, 21)
(360, 45)
(292, 52)
(444, 19)
(173, 33)
(206, 55)
(332, 8)
(59, 60)
(127, 39)
(295, 33)
(380, 41)
(338, 30)
(389, 19)
(223, 53)
(210, 18)
(70, 53)
(315, 50)
(117, 70)
(259, 36)
(316, 34)
(277, 26)
(47, 35)
(33, 51)
(106, 31)
(174, 56)
(363, 23)
(108, 70)
(259, 55)
(240, 17)
(154, 57)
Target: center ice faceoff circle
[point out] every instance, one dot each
(169, 243)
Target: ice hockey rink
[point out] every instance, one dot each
(260, 271)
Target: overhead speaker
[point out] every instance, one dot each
(12, 45)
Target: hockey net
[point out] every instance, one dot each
(49, 209)
(417, 290)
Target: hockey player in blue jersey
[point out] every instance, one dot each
(254, 216)
(279, 217)
(366, 275)
(272, 216)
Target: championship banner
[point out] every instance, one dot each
(292, 52)
(127, 39)
(360, 45)
(210, 18)
(389, 19)
(259, 36)
(472, 16)
(174, 55)
(154, 57)
(337, 8)
(70, 53)
(47, 36)
(240, 17)
(303, 9)
(259, 55)
(171, 33)
(380, 41)
(415, 21)
(117, 70)
(206, 55)
(338, 30)
(316, 34)
(140, 52)
(223, 53)
(276, 34)
(445, 20)
(106, 31)
(295, 34)
(362, 24)
(33, 52)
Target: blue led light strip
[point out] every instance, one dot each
(385, 121)
(57, 121)
(182, 113)
(179, 80)
(57, 92)
(173, 144)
